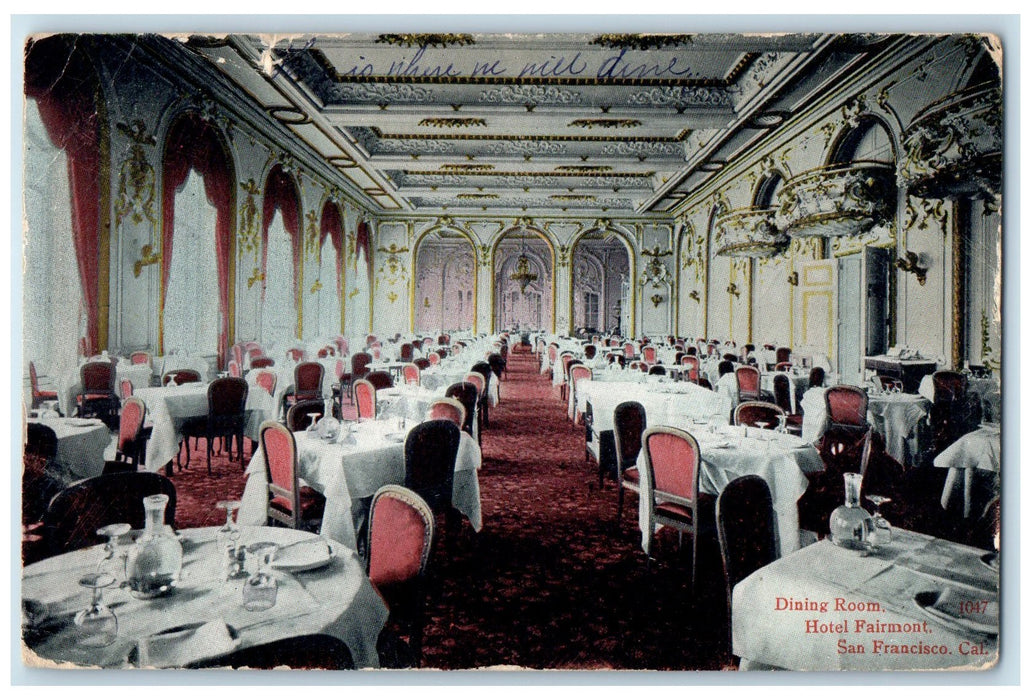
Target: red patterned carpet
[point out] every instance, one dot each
(552, 582)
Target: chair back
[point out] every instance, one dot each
(782, 392)
(339, 369)
(360, 364)
(443, 339)
(949, 386)
(41, 440)
(590, 351)
(783, 367)
(369, 340)
(657, 370)
(783, 355)
(365, 398)
(140, 357)
(308, 380)
(649, 353)
(628, 350)
(262, 362)
(468, 395)
(754, 412)
(671, 464)
(75, 514)
(234, 369)
(410, 372)
(227, 397)
(401, 526)
(279, 450)
(705, 383)
(407, 352)
(33, 378)
(267, 379)
(181, 376)
(747, 383)
(380, 379)
(434, 358)
(422, 363)
(295, 354)
(430, 451)
(134, 413)
(846, 405)
(126, 388)
(96, 377)
(298, 417)
(629, 422)
(479, 381)
(237, 351)
(745, 528)
(447, 409)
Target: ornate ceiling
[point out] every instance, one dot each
(575, 124)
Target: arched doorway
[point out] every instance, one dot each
(599, 303)
(444, 283)
(524, 282)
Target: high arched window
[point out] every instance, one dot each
(281, 237)
(327, 299)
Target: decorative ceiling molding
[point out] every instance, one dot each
(607, 123)
(643, 42)
(424, 40)
(452, 122)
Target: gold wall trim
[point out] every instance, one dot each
(961, 217)
(412, 282)
(493, 272)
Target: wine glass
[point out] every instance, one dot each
(229, 533)
(313, 418)
(109, 563)
(880, 529)
(96, 625)
(782, 423)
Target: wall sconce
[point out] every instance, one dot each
(793, 279)
(656, 300)
(732, 289)
(694, 295)
(910, 262)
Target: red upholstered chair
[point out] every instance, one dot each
(565, 359)
(434, 358)
(252, 345)
(629, 422)
(649, 353)
(422, 363)
(365, 398)
(628, 351)
(401, 532)
(234, 369)
(577, 373)
(447, 409)
(410, 372)
(484, 369)
(226, 418)
(745, 529)
(325, 352)
(140, 357)
(125, 388)
(657, 370)
(468, 395)
(407, 352)
(359, 369)
(553, 358)
(261, 362)
(590, 352)
(342, 345)
(431, 448)
(670, 471)
(782, 397)
(254, 351)
(295, 354)
(846, 406)
(267, 379)
(752, 413)
(747, 383)
(479, 381)
(308, 378)
(131, 440)
(75, 514)
(782, 367)
(377, 352)
(38, 396)
(443, 339)
(380, 379)
(181, 376)
(369, 340)
(692, 364)
(298, 418)
(783, 355)
(289, 503)
(237, 351)
(98, 396)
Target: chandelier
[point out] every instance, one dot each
(522, 275)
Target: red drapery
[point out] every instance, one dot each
(333, 226)
(363, 241)
(194, 144)
(281, 194)
(66, 93)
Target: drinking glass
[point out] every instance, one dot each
(260, 590)
(96, 625)
(314, 418)
(113, 561)
(880, 529)
(228, 534)
(782, 423)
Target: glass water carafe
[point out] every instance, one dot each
(850, 523)
(156, 559)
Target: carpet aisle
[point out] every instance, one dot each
(551, 582)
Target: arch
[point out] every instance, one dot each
(331, 225)
(413, 281)
(281, 193)
(844, 144)
(631, 253)
(493, 280)
(193, 143)
(766, 189)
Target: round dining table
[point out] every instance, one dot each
(204, 616)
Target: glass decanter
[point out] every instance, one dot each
(156, 559)
(850, 523)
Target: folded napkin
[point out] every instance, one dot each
(302, 553)
(179, 646)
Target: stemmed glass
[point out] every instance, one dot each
(109, 563)
(314, 418)
(880, 529)
(229, 533)
(782, 423)
(97, 626)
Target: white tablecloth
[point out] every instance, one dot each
(782, 460)
(897, 417)
(337, 599)
(664, 403)
(440, 377)
(980, 449)
(767, 635)
(168, 407)
(81, 444)
(346, 473)
(406, 401)
(69, 385)
(167, 363)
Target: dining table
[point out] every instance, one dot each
(168, 407)
(349, 469)
(978, 453)
(916, 603)
(784, 461)
(448, 372)
(902, 419)
(203, 617)
(81, 446)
